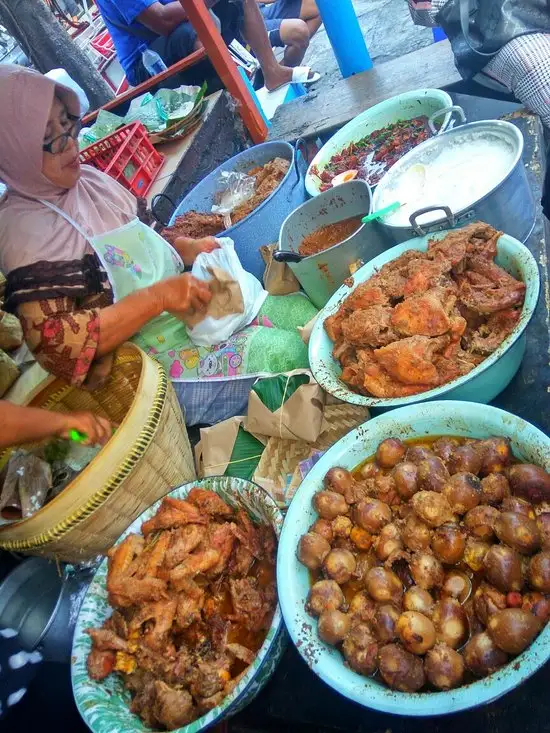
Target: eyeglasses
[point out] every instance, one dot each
(59, 143)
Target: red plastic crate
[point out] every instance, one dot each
(103, 44)
(127, 156)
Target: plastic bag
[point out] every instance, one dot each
(233, 189)
(212, 331)
(28, 477)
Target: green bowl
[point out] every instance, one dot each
(104, 705)
(404, 106)
(415, 421)
(484, 382)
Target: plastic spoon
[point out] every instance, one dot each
(381, 212)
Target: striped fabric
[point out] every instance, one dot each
(522, 66)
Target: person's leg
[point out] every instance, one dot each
(294, 35)
(177, 45)
(309, 13)
(255, 34)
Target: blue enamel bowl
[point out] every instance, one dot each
(435, 418)
(484, 382)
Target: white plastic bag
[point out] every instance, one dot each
(212, 331)
(60, 76)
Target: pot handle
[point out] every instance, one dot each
(454, 109)
(286, 256)
(300, 151)
(153, 204)
(450, 218)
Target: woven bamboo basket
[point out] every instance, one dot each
(147, 457)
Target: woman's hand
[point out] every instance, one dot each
(182, 294)
(189, 249)
(97, 429)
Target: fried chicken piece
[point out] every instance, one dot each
(210, 676)
(476, 279)
(246, 532)
(423, 315)
(249, 604)
(343, 352)
(209, 502)
(369, 327)
(121, 556)
(197, 562)
(161, 614)
(184, 540)
(100, 664)
(130, 591)
(241, 652)
(105, 640)
(221, 538)
(118, 624)
(489, 270)
(452, 248)
(482, 240)
(158, 663)
(172, 708)
(173, 513)
(490, 335)
(424, 274)
(365, 295)
(240, 561)
(410, 361)
(189, 609)
(153, 556)
(333, 325)
(142, 704)
(447, 369)
(486, 302)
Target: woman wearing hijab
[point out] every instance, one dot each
(84, 274)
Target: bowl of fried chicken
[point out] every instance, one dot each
(437, 317)
(181, 626)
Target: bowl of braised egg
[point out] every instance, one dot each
(415, 558)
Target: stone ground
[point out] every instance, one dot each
(388, 30)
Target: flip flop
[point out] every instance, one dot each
(300, 75)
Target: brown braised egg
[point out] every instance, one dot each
(400, 669)
(430, 562)
(390, 452)
(444, 667)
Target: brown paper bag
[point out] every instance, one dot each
(213, 451)
(300, 417)
(305, 331)
(227, 298)
(278, 277)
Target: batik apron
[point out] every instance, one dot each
(134, 256)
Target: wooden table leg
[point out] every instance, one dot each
(217, 52)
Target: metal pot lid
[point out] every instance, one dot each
(454, 170)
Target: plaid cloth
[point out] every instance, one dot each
(522, 66)
(208, 402)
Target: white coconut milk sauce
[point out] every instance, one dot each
(455, 173)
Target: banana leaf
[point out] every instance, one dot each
(275, 391)
(245, 456)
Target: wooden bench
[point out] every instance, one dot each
(328, 108)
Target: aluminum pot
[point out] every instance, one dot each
(263, 224)
(42, 606)
(508, 206)
(321, 274)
